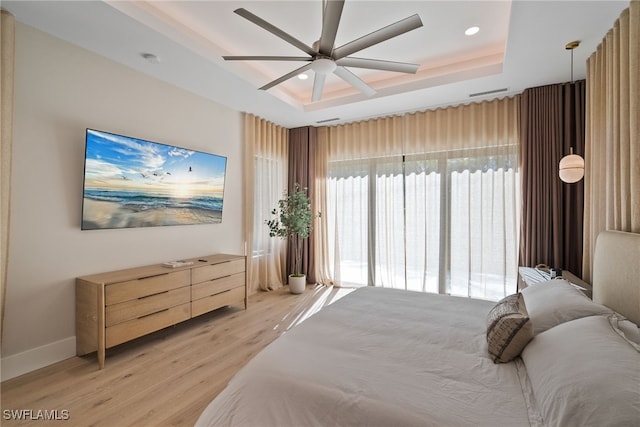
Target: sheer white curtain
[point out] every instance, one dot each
(346, 219)
(265, 182)
(484, 224)
(427, 201)
(423, 201)
(347, 223)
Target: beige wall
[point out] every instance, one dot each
(61, 90)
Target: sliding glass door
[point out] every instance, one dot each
(443, 223)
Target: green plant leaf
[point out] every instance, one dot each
(294, 220)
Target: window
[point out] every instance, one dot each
(269, 180)
(268, 254)
(442, 223)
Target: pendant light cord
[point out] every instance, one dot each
(571, 65)
(571, 46)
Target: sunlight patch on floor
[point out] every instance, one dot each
(324, 296)
(316, 299)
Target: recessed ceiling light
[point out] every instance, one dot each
(303, 76)
(471, 31)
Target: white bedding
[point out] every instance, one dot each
(380, 357)
(384, 357)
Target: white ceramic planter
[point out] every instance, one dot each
(297, 284)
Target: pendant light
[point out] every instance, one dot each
(571, 168)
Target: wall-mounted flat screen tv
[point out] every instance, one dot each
(130, 182)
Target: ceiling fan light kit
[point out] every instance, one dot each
(323, 66)
(324, 58)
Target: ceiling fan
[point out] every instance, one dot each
(324, 58)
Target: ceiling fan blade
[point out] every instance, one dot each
(267, 58)
(386, 33)
(330, 21)
(318, 85)
(275, 31)
(354, 81)
(377, 64)
(286, 77)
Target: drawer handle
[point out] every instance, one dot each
(220, 293)
(154, 313)
(153, 295)
(153, 275)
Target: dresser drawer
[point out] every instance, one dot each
(216, 286)
(215, 271)
(143, 306)
(135, 328)
(145, 286)
(206, 304)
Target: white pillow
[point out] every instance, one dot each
(555, 301)
(584, 374)
(628, 329)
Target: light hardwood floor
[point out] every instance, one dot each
(168, 377)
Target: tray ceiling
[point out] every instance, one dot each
(520, 44)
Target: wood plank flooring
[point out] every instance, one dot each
(166, 378)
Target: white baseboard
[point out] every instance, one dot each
(36, 358)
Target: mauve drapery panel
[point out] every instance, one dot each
(302, 170)
(551, 122)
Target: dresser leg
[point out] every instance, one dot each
(101, 358)
(101, 325)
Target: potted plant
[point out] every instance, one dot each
(293, 221)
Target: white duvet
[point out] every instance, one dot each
(379, 357)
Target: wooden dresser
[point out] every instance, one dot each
(116, 307)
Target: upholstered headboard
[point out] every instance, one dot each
(616, 273)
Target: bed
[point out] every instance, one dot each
(386, 357)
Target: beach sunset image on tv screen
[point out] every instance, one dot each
(130, 182)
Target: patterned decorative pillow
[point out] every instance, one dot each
(509, 329)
